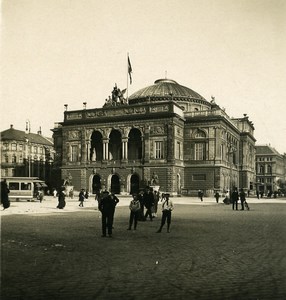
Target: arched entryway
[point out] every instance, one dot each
(134, 184)
(115, 184)
(96, 184)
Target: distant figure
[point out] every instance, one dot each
(40, 195)
(226, 199)
(156, 200)
(5, 194)
(257, 194)
(149, 203)
(134, 207)
(200, 195)
(61, 198)
(217, 195)
(71, 193)
(141, 200)
(234, 198)
(242, 197)
(167, 207)
(86, 195)
(81, 197)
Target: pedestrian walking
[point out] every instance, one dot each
(234, 198)
(107, 207)
(200, 195)
(217, 195)
(81, 197)
(134, 207)
(61, 198)
(242, 197)
(141, 200)
(167, 208)
(115, 201)
(5, 194)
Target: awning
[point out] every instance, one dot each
(37, 184)
(43, 184)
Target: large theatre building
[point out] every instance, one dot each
(165, 131)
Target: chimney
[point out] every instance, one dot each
(40, 131)
(11, 126)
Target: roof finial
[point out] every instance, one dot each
(165, 74)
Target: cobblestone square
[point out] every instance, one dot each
(212, 252)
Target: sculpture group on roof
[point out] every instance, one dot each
(116, 98)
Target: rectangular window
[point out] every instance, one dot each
(14, 186)
(21, 147)
(5, 146)
(159, 149)
(14, 160)
(14, 147)
(199, 177)
(199, 151)
(74, 153)
(25, 186)
(178, 151)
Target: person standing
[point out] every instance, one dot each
(217, 195)
(107, 207)
(167, 207)
(234, 198)
(200, 195)
(134, 207)
(61, 198)
(155, 207)
(148, 202)
(81, 197)
(242, 197)
(5, 194)
(141, 200)
(115, 201)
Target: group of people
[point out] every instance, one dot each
(144, 200)
(233, 198)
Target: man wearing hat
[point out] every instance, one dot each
(167, 207)
(107, 206)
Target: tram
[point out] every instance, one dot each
(24, 188)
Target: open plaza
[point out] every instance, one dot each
(212, 252)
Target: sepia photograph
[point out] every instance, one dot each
(143, 149)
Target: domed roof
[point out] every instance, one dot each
(165, 89)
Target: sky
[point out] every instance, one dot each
(61, 52)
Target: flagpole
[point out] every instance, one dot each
(127, 77)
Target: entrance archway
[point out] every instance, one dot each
(134, 184)
(115, 184)
(96, 184)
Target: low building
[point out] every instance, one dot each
(26, 154)
(165, 134)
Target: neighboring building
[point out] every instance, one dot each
(26, 154)
(270, 169)
(166, 131)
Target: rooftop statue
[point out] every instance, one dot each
(116, 98)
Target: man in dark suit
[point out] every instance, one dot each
(234, 198)
(107, 207)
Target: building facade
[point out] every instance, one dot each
(166, 132)
(26, 154)
(270, 169)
